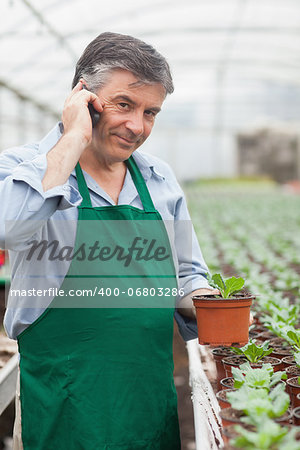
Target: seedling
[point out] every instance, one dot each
(288, 315)
(263, 377)
(276, 327)
(297, 359)
(293, 336)
(228, 286)
(260, 402)
(253, 352)
(267, 435)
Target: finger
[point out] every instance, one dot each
(77, 87)
(97, 103)
(92, 98)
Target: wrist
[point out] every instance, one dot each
(62, 159)
(74, 140)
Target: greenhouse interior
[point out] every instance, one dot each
(229, 139)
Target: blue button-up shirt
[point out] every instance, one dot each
(27, 213)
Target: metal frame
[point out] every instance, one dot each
(8, 381)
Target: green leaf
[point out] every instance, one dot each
(297, 358)
(240, 399)
(216, 281)
(239, 378)
(227, 287)
(233, 285)
(263, 377)
(259, 406)
(276, 377)
(280, 404)
(258, 378)
(266, 434)
(253, 352)
(289, 441)
(294, 338)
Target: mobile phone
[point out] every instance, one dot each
(95, 115)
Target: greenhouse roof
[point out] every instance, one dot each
(233, 61)
(204, 41)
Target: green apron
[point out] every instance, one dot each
(97, 375)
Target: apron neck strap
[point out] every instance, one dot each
(137, 178)
(82, 187)
(140, 185)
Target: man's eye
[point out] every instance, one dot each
(124, 105)
(150, 113)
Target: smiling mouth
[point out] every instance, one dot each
(125, 140)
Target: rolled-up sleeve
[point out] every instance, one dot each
(24, 204)
(32, 173)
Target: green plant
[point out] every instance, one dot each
(293, 336)
(275, 326)
(267, 435)
(280, 316)
(228, 286)
(259, 402)
(297, 359)
(253, 352)
(263, 377)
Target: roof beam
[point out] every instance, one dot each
(59, 37)
(18, 93)
(178, 30)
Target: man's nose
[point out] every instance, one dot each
(136, 124)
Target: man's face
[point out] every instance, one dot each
(128, 116)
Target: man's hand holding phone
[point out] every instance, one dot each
(77, 135)
(95, 115)
(81, 112)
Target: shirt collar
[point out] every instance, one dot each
(148, 169)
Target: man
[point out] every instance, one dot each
(98, 373)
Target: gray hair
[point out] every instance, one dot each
(110, 51)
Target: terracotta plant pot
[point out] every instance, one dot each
(288, 361)
(218, 354)
(231, 416)
(229, 432)
(227, 383)
(285, 419)
(266, 336)
(280, 342)
(237, 360)
(232, 361)
(293, 389)
(296, 416)
(253, 334)
(292, 371)
(280, 353)
(259, 329)
(221, 396)
(223, 321)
